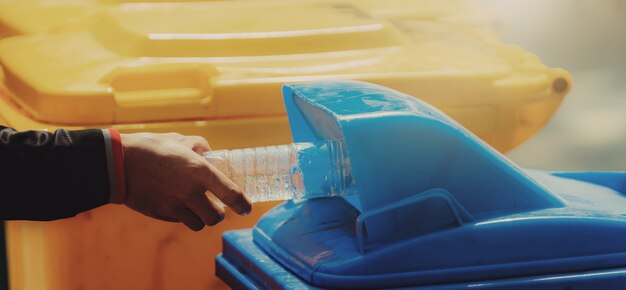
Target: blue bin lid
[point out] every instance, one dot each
(432, 203)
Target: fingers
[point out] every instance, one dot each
(226, 190)
(197, 144)
(207, 211)
(191, 220)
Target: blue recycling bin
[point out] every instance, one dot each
(431, 207)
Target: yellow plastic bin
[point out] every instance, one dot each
(215, 70)
(37, 16)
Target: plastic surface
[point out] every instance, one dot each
(399, 143)
(293, 171)
(36, 16)
(246, 266)
(164, 62)
(439, 206)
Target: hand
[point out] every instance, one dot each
(167, 178)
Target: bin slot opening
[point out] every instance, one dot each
(431, 211)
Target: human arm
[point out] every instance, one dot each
(47, 176)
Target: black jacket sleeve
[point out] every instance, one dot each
(46, 176)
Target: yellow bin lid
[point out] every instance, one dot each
(37, 16)
(159, 62)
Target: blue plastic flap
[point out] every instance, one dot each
(399, 147)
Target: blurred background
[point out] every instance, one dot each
(588, 38)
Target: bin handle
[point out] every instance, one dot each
(170, 82)
(163, 91)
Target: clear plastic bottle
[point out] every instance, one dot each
(278, 172)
